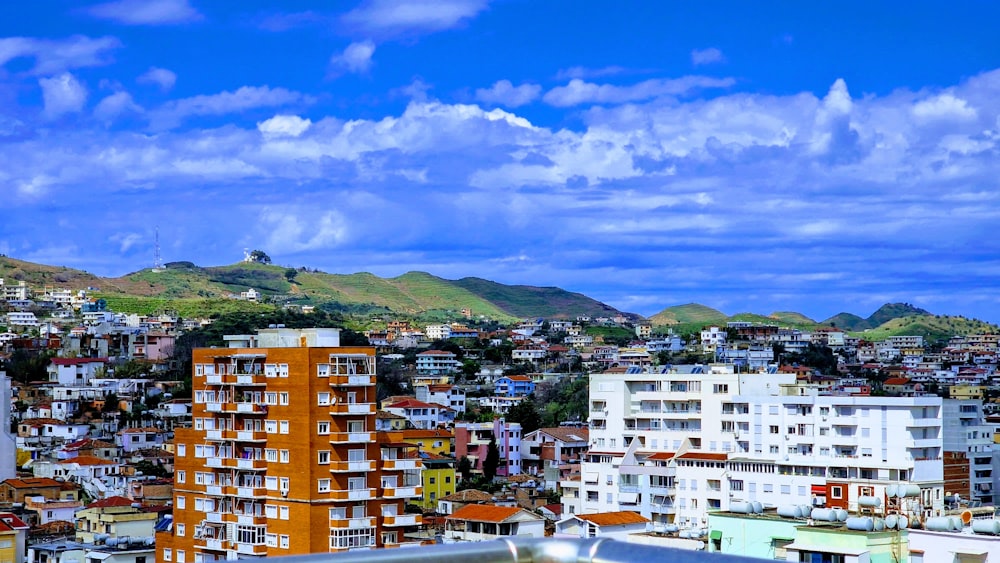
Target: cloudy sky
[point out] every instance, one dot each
(747, 156)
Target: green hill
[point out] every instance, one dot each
(933, 328)
(884, 314)
(687, 314)
(193, 290)
(847, 321)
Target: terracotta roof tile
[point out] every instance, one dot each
(614, 518)
(484, 513)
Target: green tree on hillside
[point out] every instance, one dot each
(492, 460)
(260, 257)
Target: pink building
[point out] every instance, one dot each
(472, 439)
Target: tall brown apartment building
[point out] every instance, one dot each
(282, 457)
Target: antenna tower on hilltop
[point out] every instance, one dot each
(157, 264)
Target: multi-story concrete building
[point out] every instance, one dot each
(436, 362)
(965, 431)
(283, 442)
(679, 442)
(472, 440)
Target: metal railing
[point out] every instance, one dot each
(526, 550)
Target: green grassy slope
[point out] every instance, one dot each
(527, 301)
(685, 314)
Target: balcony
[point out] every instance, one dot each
(216, 517)
(352, 408)
(251, 492)
(352, 437)
(400, 464)
(251, 519)
(249, 379)
(215, 544)
(250, 549)
(351, 381)
(351, 466)
(352, 523)
(353, 494)
(215, 407)
(402, 492)
(216, 462)
(220, 434)
(214, 379)
(251, 464)
(251, 436)
(247, 408)
(402, 520)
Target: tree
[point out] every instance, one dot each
(260, 257)
(526, 414)
(290, 274)
(492, 460)
(465, 467)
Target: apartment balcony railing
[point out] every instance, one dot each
(352, 523)
(400, 464)
(352, 494)
(529, 550)
(250, 548)
(251, 492)
(352, 408)
(352, 437)
(351, 466)
(351, 381)
(402, 492)
(220, 434)
(402, 520)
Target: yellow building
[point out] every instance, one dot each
(438, 441)
(115, 517)
(965, 392)
(438, 478)
(282, 457)
(13, 538)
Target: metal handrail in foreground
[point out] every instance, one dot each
(526, 550)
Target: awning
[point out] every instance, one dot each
(628, 498)
(590, 477)
(825, 549)
(819, 489)
(715, 535)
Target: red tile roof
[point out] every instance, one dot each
(31, 482)
(110, 502)
(77, 361)
(704, 455)
(614, 518)
(484, 513)
(414, 404)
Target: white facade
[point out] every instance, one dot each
(438, 332)
(20, 318)
(674, 445)
(965, 431)
(8, 443)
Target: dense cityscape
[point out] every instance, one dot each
(746, 438)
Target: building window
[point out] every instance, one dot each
(271, 510)
(168, 554)
(283, 512)
(180, 556)
(432, 480)
(283, 398)
(324, 457)
(284, 541)
(271, 483)
(836, 492)
(323, 399)
(271, 540)
(271, 398)
(284, 456)
(181, 476)
(323, 427)
(181, 501)
(271, 455)
(284, 483)
(282, 427)
(181, 450)
(179, 529)
(271, 426)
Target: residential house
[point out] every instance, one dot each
(13, 538)
(135, 439)
(436, 362)
(554, 453)
(483, 522)
(114, 517)
(514, 386)
(437, 440)
(614, 525)
(47, 510)
(472, 440)
(17, 490)
(439, 479)
(420, 414)
(450, 503)
(385, 420)
(75, 371)
(450, 396)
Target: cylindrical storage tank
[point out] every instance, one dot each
(672, 528)
(986, 526)
(823, 514)
(741, 507)
(790, 511)
(841, 514)
(890, 491)
(890, 521)
(869, 501)
(938, 524)
(758, 507)
(879, 524)
(908, 491)
(685, 534)
(903, 522)
(863, 524)
(806, 510)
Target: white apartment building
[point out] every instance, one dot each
(966, 431)
(713, 337)
(438, 332)
(679, 442)
(21, 318)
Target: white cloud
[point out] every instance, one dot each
(57, 55)
(62, 94)
(356, 58)
(584, 72)
(112, 106)
(707, 56)
(506, 94)
(161, 77)
(945, 106)
(580, 92)
(242, 99)
(392, 17)
(146, 12)
(294, 229)
(125, 241)
(283, 126)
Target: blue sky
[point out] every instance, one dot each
(747, 156)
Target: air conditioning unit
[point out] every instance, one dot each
(284, 492)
